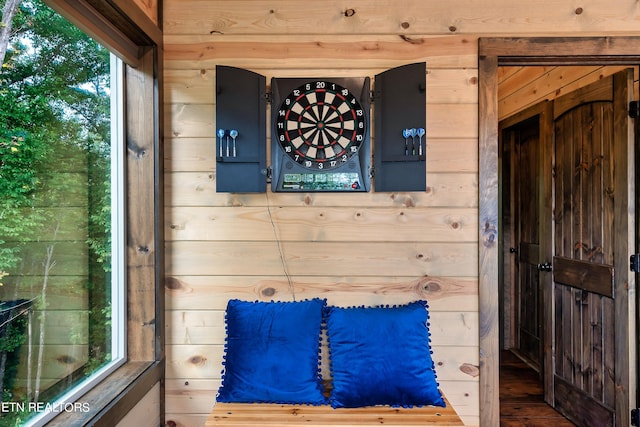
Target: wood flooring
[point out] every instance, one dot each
(522, 398)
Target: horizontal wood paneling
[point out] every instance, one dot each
(197, 121)
(321, 258)
(450, 85)
(213, 292)
(369, 248)
(443, 189)
(330, 224)
(205, 326)
(412, 17)
(204, 361)
(349, 51)
(443, 155)
(195, 395)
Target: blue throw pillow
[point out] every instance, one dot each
(381, 356)
(272, 352)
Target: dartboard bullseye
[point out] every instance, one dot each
(321, 125)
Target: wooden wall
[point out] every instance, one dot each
(369, 248)
(523, 87)
(146, 413)
(149, 7)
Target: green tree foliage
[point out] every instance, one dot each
(52, 100)
(54, 113)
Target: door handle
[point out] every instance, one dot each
(544, 267)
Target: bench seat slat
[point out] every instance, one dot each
(268, 414)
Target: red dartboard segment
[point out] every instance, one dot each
(320, 125)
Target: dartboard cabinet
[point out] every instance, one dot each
(321, 132)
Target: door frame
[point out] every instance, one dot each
(492, 53)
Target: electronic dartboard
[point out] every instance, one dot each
(320, 134)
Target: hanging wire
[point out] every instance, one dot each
(26, 310)
(3, 310)
(280, 251)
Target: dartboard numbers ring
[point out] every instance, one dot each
(320, 125)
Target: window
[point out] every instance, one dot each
(137, 40)
(62, 262)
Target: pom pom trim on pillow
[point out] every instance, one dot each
(272, 352)
(381, 356)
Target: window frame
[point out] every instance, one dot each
(122, 26)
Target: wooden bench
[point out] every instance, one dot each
(270, 414)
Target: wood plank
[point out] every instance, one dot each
(191, 396)
(567, 399)
(144, 212)
(197, 86)
(208, 327)
(443, 121)
(562, 50)
(584, 275)
(513, 81)
(600, 91)
(321, 258)
(146, 413)
(529, 253)
(488, 247)
(322, 224)
(624, 232)
(238, 414)
(546, 229)
(521, 396)
(444, 155)
(185, 420)
(213, 292)
(443, 189)
(132, 380)
(491, 16)
(505, 72)
(311, 52)
(458, 364)
(557, 82)
(149, 7)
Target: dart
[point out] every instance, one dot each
(421, 133)
(413, 134)
(406, 133)
(233, 134)
(220, 136)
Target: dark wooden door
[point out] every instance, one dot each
(589, 367)
(523, 138)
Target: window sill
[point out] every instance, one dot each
(115, 396)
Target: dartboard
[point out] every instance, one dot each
(321, 125)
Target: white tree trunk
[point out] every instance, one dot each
(8, 12)
(49, 264)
